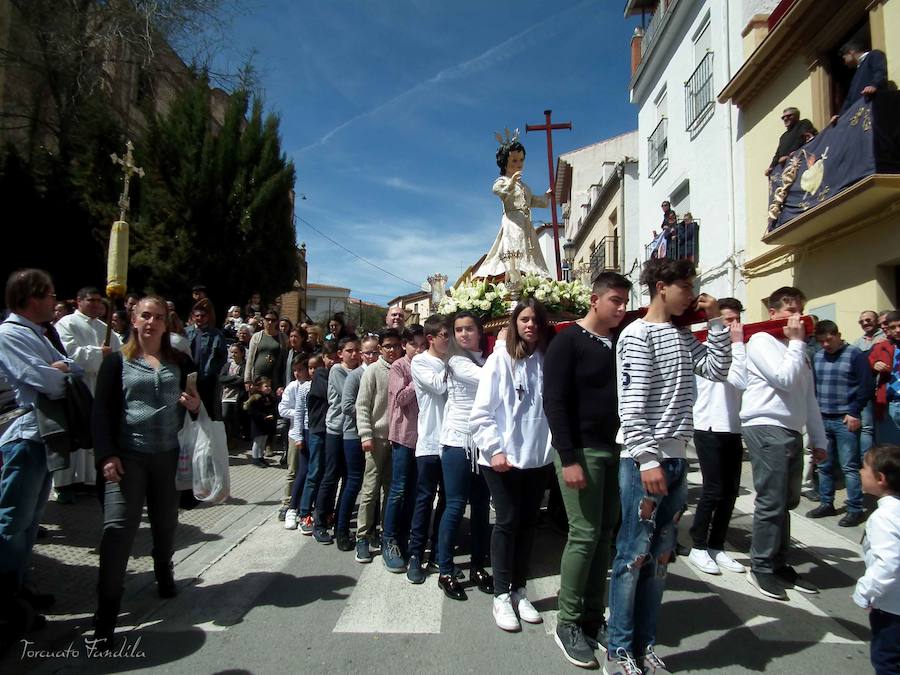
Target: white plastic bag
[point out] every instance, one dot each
(187, 438)
(211, 480)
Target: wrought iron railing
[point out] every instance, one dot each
(657, 146)
(606, 256)
(683, 242)
(699, 96)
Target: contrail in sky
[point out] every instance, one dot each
(496, 53)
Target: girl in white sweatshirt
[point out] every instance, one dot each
(513, 437)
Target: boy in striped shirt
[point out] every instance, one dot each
(656, 364)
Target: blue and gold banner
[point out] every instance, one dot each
(837, 158)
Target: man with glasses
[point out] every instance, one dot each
(373, 421)
(797, 133)
(83, 334)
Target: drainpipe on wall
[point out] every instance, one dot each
(620, 170)
(732, 225)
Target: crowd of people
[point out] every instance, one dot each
(412, 425)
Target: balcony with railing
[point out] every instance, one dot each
(698, 94)
(605, 257)
(682, 242)
(657, 147)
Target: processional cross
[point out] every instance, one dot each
(129, 168)
(549, 128)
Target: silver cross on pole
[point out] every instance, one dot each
(129, 168)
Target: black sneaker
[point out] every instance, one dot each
(821, 511)
(596, 633)
(363, 553)
(788, 576)
(575, 648)
(323, 536)
(451, 587)
(344, 541)
(282, 512)
(767, 584)
(414, 572)
(852, 519)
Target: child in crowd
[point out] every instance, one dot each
(511, 432)
(292, 407)
(428, 374)
(233, 391)
(878, 591)
(317, 409)
(262, 406)
(354, 458)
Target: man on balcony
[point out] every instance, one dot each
(870, 75)
(797, 133)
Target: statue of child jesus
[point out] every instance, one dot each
(516, 231)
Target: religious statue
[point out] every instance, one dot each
(516, 231)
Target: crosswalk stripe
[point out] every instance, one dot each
(382, 602)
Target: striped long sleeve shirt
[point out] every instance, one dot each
(656, 367)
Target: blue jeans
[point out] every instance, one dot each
(334, 471)
(843, 447)
(24, 488)
(644, 548)
(428, 481)
(887, 430)
(867, 431)
(314, 473)
(402, 495)
(463, 486)
(355, 461)
(302, 470)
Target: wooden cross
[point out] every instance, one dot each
(129, 168)
(549, 127)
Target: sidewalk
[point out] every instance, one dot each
(66, 562)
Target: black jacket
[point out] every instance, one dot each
(109, 404)
(792, 139)
(317, 401)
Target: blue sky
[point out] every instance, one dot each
(388, 110)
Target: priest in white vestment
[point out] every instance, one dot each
(83, 334)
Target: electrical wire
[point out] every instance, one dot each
(354, 254)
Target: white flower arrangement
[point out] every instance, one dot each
(489, 300)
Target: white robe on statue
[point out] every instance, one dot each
(516, 231)
(83, 339)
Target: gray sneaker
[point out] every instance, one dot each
(652, 662)
(393, 560)
(363, 555)
(575, 648)
(621, 663)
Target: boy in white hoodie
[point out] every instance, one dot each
(780, 400)
(429, 377)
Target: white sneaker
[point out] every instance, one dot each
(504, 616)
(726, 562)
(526, 610)
(290, 519)
(700, 559)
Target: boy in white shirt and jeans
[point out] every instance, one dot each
(879, 589)
(779, 401)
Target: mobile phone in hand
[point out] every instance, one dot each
(191, 386)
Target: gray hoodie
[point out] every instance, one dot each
(348, 401)
(334, 418)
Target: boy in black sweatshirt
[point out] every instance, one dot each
(580, 404)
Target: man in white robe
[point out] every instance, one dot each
(83, 334)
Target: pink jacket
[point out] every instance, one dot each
(403, 410)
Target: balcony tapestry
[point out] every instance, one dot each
(838, 157)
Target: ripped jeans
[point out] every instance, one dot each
(644, 548)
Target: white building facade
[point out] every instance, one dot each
(597, 187)
(690, 145)
(325, 301)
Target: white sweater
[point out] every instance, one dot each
(780, 390)
(462, 383)
(292, 407)
(718, 406)
(431, 394)
(508, 411)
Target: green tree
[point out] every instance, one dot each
(215, 203)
